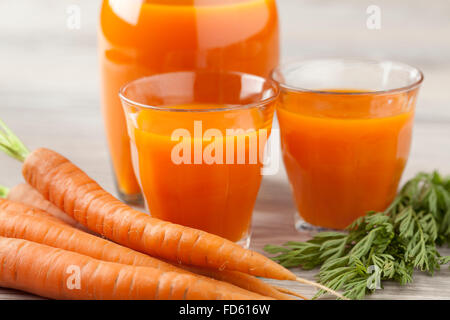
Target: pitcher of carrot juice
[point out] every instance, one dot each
(346, 130)
(143, 37)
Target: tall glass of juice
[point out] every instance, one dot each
(346, 129)
(197, 144)
(143, 37)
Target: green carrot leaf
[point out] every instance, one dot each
(381, 246)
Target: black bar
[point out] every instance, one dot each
(168, 310)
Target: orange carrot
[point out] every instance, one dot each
(247, 282)
(18, 220)
(59, 274)
(28, 210)
(26, 194)
(35, 198)
(21, 221)
(71, 190)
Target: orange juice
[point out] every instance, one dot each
(206, 185)
(344, 154)
(139, 38)
(197, 143)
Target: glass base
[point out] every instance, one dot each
(303, 226)
(131, 199)
(245, 241)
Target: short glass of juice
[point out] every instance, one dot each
(197, 143)
(345, 127)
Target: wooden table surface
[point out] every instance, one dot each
(49, 88)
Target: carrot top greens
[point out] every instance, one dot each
(3, 192)
(380, 246)
(11, 144)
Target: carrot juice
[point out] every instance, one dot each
(344, 150)
(197, 143)
(139, 38)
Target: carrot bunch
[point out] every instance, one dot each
(147, 259)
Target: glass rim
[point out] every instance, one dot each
(400, 89)
(171, 108)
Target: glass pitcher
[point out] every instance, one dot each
(144, 37)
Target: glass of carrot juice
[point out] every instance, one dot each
(345, 127)
(138, 38)
(197, 143)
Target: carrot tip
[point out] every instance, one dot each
(290, 292)
(321, 287)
